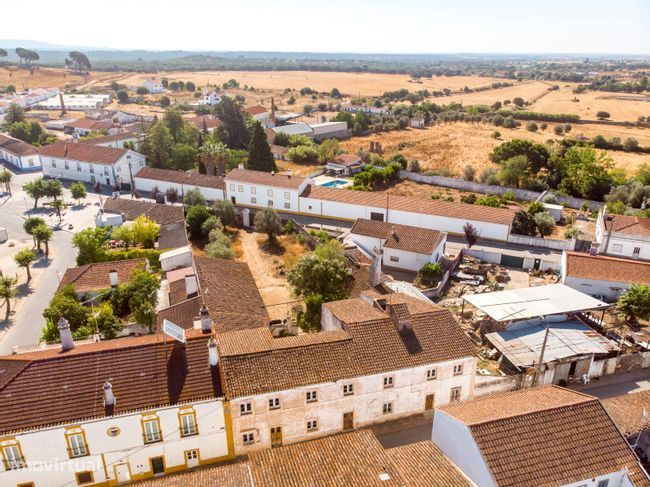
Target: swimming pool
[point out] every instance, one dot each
(336, 183)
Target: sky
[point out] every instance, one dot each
(361, 26)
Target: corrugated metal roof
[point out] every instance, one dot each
(522, 346)
(531, 302)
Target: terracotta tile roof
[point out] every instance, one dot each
(231, 475)
(627, 411)
(56, 387)
(97, 154)
(503, 216)
(256, 110)
(423, 464)
(347, 159)
(172, 235)
(95, 277)
(253, 363)
(109, 138)
(230, 293)
(181, 313)
(603, 268)
(351, 459)
(276, 180)
(90, 124)
(132, 209)
(400, 237)
(190, 179)
(545, 436)
(629, 225)
(278, 149)
(204, 121)
(180, 273)
(177, 291)
(16, 147)
(354, 310)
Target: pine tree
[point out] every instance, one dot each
(261, 157)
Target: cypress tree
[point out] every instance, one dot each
(260, 155)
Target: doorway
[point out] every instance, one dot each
(428, 402)
(234, 200)
(157, 465)
(572, 368)
(122, 473)
(348, 421)
(537, 263)
(276, 436)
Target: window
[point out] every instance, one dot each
(603, 483)
(91, 168)
(76, 443)
(312, 396)
(245, 408)
(287, 195)
(270, 203)
(66, 164)
(13, 456)
(53, 163)
(394, 258)
(192, 454)
(240, 188)
(636, 252)
(84, 478)
(312, 425)
(388, 381)
(79, 166)
(387, 408)
(274, 403)
(269, 192)
(287, 205)
(248, 438)
(458, 369)
(431, 374)
(348, 389)
(232, 187)
(188, 423)
(105, 171)
(454, 395)
(617, 248)
(253, 189)
(151, 430)
(141, 163)
(254, 200)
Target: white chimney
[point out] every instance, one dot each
(112, 277)
(67, 342)
(375, 269)
(289, 173)
(206, 322)
(109, 397)
(191, 285)
(213, 356)
(240, 166)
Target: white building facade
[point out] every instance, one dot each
(19, 154)
(154, 86)
(265, 190)
(209, 98)
(623, 235)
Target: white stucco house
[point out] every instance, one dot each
(345, 164)
(148, 178)
(91, 163)
(19, 154)
(117, 424)
(400, 246)
(117, 140)
(154, 86)
(280, 392)
(602, 276)
(261, 114)
(531, 437)
(623, 235)
(259, 189)
(209, 98)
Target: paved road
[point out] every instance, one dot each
(616, 385)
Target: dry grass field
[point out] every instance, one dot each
(455, 145)
(528, 90)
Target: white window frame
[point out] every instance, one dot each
(253, 190)
(387, 408)
(248, 438)
(246, 408)
(389, 381)
(458, 369)
(232, 187)
(432, 374)
(348, 389)
(77, 444)
(151, 428)
(312, 425)
(274, 403)
(13, 457)
(188, 424)
(287, 195)
(253, 200)
(311, 396)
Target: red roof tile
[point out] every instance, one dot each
(628, 225)
(276, 180)
(400, 237)
(97, 154)
(95, 277)
(603, 268)
(190, 179)
(16, 147)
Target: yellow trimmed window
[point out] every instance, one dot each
(12, 455)
(188, 423)
(151, 429)
(84, 478)
(77, 445)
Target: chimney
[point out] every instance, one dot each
(400, 315)
(213, 356)
(109, 397)
(65, 150)
(289, 173)
(375, 269)
(112, 277)
(206, 322)
(240, 167)
(191, 286)
(272, 110)
(67, 343)
(272, 173)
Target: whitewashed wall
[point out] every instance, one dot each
(408, 396)
(106, 174)
(46, 453)
(257, 195)
(31, 162)
(607, 290)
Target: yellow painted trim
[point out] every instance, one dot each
(13, 442)
(105, 466)
(227, 417)
(92, 477)
(128, 464)
(68, 433)
(187, 411)
(146, 418)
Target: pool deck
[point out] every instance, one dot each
(321, 180)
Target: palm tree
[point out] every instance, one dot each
(215, 153)
(30, 224)
(24, 258)
(7, 291)
(43, 234)
(58, 205)
(6, 177)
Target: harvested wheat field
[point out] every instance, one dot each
(40, 78)
(354, 84)
(622, 107)
(453, 146)
(528, 90)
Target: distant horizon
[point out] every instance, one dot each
(366, 27)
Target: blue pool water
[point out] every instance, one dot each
(335, 183)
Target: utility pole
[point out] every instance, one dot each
(540, 364)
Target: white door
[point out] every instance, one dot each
(122, 473)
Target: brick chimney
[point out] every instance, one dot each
(67, 342)
(400, 315)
